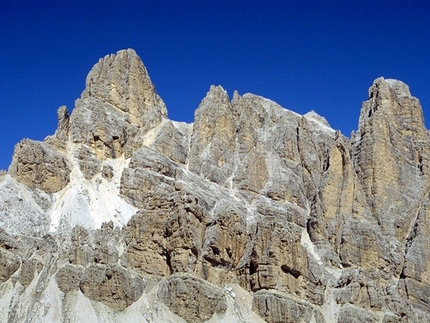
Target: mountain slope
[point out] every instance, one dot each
(252, 213)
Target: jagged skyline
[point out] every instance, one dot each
(312, 55)
(252, 214)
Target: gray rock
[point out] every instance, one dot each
(107, 172)
(9, 264)
(352, 314)
(118, 106)
(69, 277)
(88, 163)
(278, 308)
(173, 141)
(306, 224)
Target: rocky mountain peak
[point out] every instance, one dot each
(253, 213)
(391, 99)
(122, 81)
(383, 87)
(117, 108)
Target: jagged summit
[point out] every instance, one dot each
(252, 213)
(122, 81)
(393, 98)
(400, 88)
(118, 106)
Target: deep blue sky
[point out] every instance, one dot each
(305, 55)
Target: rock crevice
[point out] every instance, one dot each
(253, 213)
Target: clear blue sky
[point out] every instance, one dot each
(305, 55)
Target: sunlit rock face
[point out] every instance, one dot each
(253, 213)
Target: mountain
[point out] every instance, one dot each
(253, 213)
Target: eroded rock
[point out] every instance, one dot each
(111, 285)
(313, 226)
(191, 298)
(38, 165)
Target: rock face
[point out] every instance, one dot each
(253, 213)
(117, 108)
(38, 165)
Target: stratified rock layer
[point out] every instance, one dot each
(253, 213)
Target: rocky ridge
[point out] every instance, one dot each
(253, 213)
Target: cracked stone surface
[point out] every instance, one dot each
(253, 213)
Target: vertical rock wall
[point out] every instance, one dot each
(253, 213)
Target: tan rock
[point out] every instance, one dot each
(118, 106)
(214, 136)
(191, 298)
(313, 226)
(69, 277)
(38, 165)
(165, 236)
(111, 285)
(252, 174)
(121, 80)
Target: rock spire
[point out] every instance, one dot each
(253, 213)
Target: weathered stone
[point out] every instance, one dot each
(308, 225)
(391, 318)
(28, 269)
(23, 211)
(173, 141)
(60, 139)
(37, 165)
(225, 237)
(165, 236)
(105, 244)
(391, 149)
(96, 248)
(69, 277)
(252, 173)
(191, 298)
(9, 264)
(417, 258)
(88, 163)
(147, 171)
(121, 80)
(62, 132)
(107, 172)
(111, 285)
(214, 136)
(118, 106)
(352, 314)
(278, 308)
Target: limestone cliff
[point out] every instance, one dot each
(253, 213)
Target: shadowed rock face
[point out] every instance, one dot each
(253, 213)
